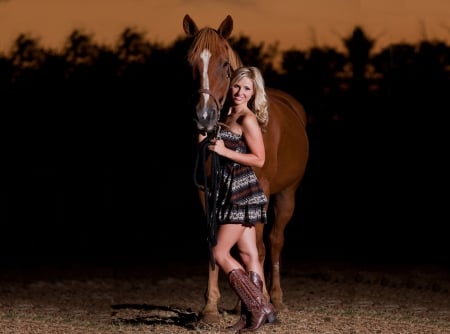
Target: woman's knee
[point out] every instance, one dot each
(220, 256)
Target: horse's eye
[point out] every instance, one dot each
(227, 68)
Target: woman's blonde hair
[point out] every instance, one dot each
(258, 103)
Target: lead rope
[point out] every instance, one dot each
(210, 189)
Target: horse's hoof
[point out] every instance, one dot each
(280, 306)
(209, 318)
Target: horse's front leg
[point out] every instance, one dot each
(210, 312)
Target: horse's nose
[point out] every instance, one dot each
(203, 128)
(199, 125)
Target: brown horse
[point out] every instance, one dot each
(212, 59)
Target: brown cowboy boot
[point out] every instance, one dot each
(243, 319)
(256, 279)
(259, 309)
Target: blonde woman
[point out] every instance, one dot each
(241, 202)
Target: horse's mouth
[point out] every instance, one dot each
(201, 128)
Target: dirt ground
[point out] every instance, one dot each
(167, 298)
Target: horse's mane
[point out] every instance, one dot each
(234, 59)
(208, 38)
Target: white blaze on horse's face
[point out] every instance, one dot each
(205, 56)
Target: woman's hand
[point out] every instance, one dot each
(217, 146)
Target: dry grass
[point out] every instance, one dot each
(167, 299)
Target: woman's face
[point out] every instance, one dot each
(242, 91)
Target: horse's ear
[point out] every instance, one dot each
(189, 26)
(226, 27)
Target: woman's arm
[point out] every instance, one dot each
(255, 157)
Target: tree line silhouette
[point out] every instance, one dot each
(135, 62)
(91, 129)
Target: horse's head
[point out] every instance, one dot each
(212, 60)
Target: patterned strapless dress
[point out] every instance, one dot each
(241, 199)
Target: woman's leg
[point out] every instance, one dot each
(227, 236)
(249, 255)
(249, 252)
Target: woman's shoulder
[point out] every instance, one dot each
(248, 116)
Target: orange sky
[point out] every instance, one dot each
(293, 23)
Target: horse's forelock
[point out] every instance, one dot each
(208, 38)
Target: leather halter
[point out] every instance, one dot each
(216, 100)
